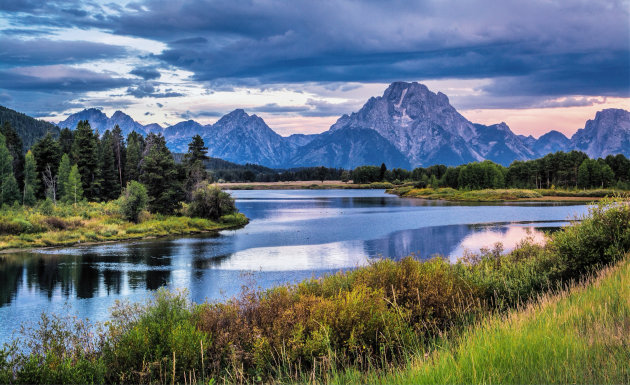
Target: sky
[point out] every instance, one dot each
(537, 65)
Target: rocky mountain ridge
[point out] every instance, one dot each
(408, 126)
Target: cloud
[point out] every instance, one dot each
(531, 50)
(147, 73)
(37, 52)
(147, 90)
(542, 44)
(58, 79)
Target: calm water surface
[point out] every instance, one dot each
(292, 235)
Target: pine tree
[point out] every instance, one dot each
(8, 185)
(30, 180)
(47, 155)
(62, 178)
(110, 184)
(194, 167)
(197, 150)
(119, 154)
(10, 190)
(85, 156)
(66, 137)
(160, 176)
(14, 144)
(135, 149)
(75, 185)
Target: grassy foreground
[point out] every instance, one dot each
(392, 321)
(579, 335)
(89, 222)
(502, 195)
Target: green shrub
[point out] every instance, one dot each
(133, 200)
(145, 340)
(602, 237)
(210, 202)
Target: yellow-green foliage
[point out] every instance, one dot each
(67, 224)
(447, 193)
(498, 195)
(578, 336)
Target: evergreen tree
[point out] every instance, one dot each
(66, 137)
(63, 174)
(74, 186)
(194, 167)
(119, 154)
(85, 156)
(382, 172)
(30, 180)
(47, 155)
(159, 175)
(197, 150)
(14, 144)
(110, 182)
(135, 149)
(9, 192)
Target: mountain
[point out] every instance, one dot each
(242, 138)
(422, 125)
(348, 148)
(608, 133)
(551, 142)
(499, 144)
(28, 129)
(99, 121)
(408, 126)
(427, 129)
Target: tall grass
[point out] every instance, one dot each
(349, 325)
(580, 335)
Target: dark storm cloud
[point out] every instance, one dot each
(147, 73)
(147, 90)
(542, 44)
(16, 52)
(58, 79)
(528, 48)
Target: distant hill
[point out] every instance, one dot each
(29, 129)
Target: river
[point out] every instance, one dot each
(293, 235)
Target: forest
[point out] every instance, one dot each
(559, 170)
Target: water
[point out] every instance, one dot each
(292, 235)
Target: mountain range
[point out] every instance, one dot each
(408, 126)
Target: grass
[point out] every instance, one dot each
(88, 222)
(502, 195)
(580, 335)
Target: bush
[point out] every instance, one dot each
(210, 202)
(145, 340)
(133, 200)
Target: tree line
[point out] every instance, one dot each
(84, 165)
(558, 170)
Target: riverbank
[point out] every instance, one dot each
(303, 185)
(355, 326)
(505, 195)
(578, 335)
(92, 223)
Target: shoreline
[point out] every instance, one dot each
(304, 185)
(122, 240)
(79, 243)
(502, 195)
